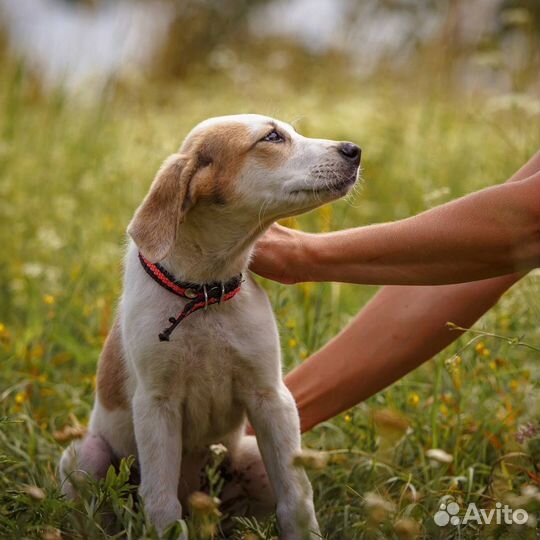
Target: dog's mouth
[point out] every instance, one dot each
(336, 187)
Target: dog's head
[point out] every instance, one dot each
(252, 166)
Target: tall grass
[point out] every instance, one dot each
(71, 175)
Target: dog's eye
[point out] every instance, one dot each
(274, 136)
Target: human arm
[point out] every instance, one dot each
(492, 232)
(398, 330)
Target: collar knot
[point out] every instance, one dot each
(200, 295)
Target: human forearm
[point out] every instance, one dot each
(492, 232)
(397, 331)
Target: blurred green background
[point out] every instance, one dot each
(442, 96)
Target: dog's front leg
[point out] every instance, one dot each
(273, 414)
(158, 432)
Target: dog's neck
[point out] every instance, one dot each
(212, 246)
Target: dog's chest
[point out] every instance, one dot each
(211, 361)
(209, 377)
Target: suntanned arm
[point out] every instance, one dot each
(399, 329)
(492, 232)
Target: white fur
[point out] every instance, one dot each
(222, 364)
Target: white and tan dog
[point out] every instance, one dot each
(166, 402)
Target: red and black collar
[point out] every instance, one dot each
(200, 295)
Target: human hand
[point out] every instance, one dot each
(280, 255)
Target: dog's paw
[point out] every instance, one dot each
(163, 514)
(297, 522)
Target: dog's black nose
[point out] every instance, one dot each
(350, 151)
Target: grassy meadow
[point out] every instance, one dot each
(71, 175)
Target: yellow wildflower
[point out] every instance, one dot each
(348, 418)
(21, 397)
(49, 299)
(504, 323)
(453, 367)
(293, 343)
(456, 379)
(481, 349)
(4, 334)
(413, 399)
(91, 380)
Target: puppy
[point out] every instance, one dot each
(194, 350)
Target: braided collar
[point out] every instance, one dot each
(200, 295)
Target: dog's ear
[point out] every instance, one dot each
(155, 223)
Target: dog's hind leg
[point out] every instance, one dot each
(88, 457)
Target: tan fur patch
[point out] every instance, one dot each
(111, 372)
(273, 156)
(221, 151)
(153, 227)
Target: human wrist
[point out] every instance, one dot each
(306, 264)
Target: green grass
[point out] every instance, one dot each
(70, 177)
